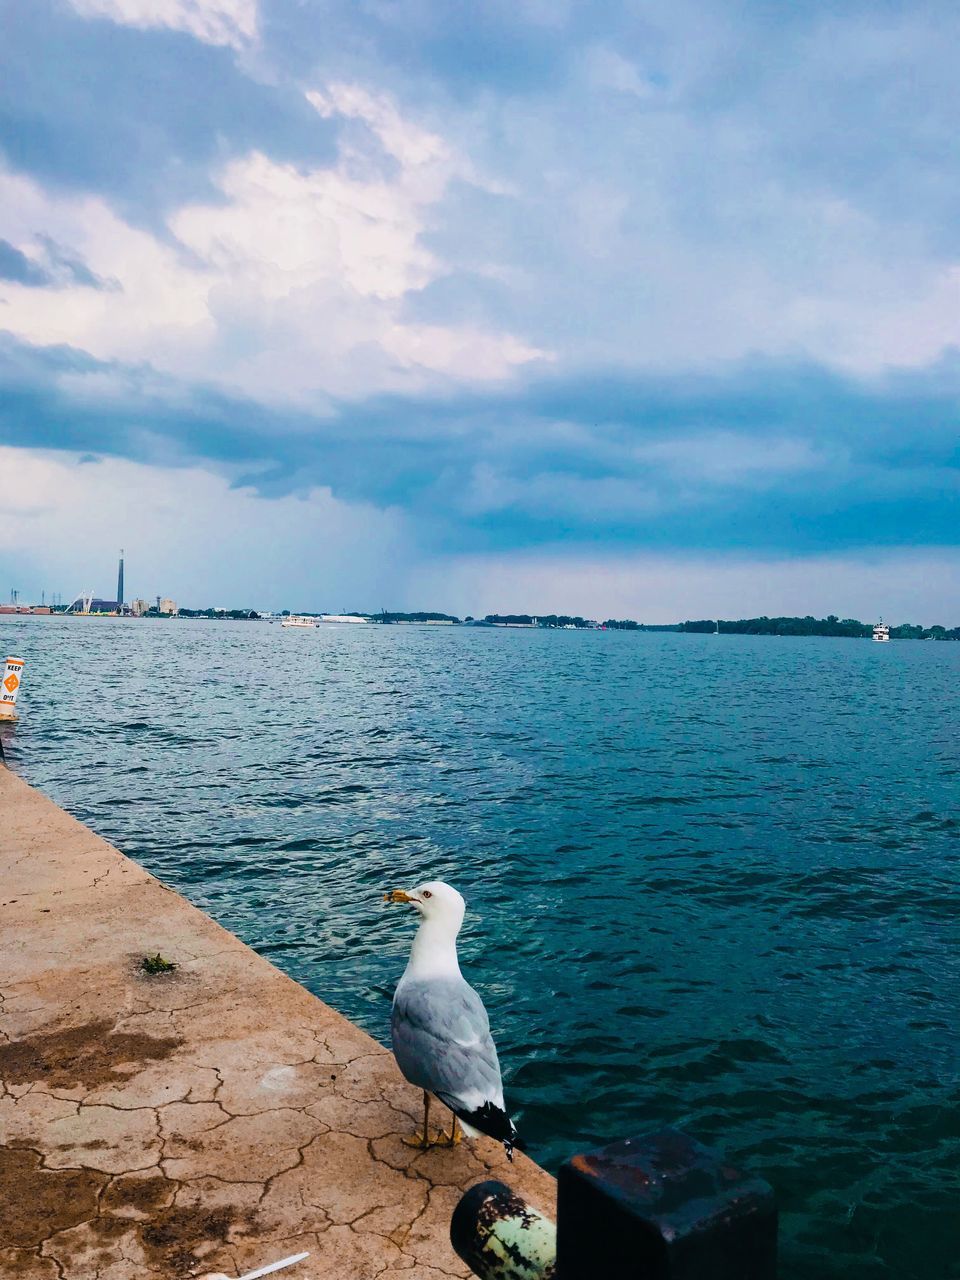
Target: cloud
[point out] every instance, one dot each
(728, 458)
(162, 300)
(660, 192)
(413, 147)
(139, 118)
(67, 267)
(226, 22)
(776, 458)
(59, 267)
(290, 284)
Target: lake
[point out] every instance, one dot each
(711, 881)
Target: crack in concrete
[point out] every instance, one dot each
(301, 1152)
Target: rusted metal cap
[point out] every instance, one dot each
(500, 1237)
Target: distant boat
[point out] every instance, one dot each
(298, 620)
(881, 632)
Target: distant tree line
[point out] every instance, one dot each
(233, 615)
(810, 626)
(628, 624)
(575, 620)
(385, 616)
(540, 619)
(554, 620)
(548, 620)
(913, 631)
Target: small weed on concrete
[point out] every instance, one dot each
(157, 964)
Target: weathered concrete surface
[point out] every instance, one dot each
(212, 1119)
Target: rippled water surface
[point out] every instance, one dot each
(712, 881)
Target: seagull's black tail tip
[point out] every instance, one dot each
(495, 1123)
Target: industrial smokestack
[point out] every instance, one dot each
(120, 584)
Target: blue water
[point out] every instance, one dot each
(712, 881)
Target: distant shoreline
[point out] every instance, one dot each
(831, 626)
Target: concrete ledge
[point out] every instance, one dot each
(211, 1119)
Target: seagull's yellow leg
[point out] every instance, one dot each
(456, 1136)
(423, 1140)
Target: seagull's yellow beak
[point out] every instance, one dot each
(397, 895)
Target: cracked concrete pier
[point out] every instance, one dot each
(211, 1119)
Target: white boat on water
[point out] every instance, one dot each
(881, 632)
(298, 620)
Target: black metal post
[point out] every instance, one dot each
(663, 1207)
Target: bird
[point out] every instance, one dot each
(440, 1029)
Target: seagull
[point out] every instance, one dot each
(440, 1029)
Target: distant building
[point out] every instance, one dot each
(93, 604)
(341, 617)
(139, 607)
(168, 606)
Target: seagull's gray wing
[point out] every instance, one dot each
(441, 1039)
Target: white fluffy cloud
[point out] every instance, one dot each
(159, 307)
(292, 285)
(225, 22)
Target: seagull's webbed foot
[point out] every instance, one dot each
(419, 1140)
(455, 1136)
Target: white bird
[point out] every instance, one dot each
(440, 1029)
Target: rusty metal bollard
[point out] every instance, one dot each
(500, 1237)
(660, 1207)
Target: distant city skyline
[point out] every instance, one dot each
(651, 313)
(699, 591)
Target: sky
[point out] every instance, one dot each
(642, 310)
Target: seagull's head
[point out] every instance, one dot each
(434, 901)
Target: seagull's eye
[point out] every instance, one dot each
(427, 893)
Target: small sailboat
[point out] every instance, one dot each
(881, 632)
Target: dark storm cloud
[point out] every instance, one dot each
(137, 116)
(764, 456)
